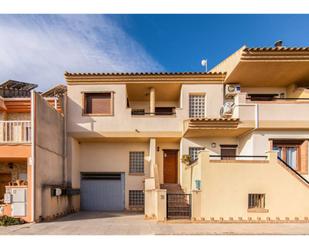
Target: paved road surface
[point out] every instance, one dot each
(94, 223)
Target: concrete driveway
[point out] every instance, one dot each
(95, 223)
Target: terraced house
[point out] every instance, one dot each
(227, 145)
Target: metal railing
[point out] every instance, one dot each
(140, 113)
(290, 168)
(15, 131)
(275, 99)
(238, 157)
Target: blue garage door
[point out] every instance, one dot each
(102, 191)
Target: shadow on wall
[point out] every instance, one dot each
(72, 106)
(83, 215)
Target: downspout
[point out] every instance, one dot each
(256, 116)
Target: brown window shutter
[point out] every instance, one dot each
(228, 152)
(98, 103)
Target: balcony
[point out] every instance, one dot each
(159, 111)
(276, 113)
(15, 132)
(212, 127)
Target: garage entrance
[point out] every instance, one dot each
(102, 192)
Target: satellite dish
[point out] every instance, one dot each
(204, 64)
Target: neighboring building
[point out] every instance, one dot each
(32, 157)
(130, 135)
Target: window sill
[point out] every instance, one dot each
(136, 174)
(97, 115)
(136, 208)
(257, 210)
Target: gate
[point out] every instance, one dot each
(178, 206)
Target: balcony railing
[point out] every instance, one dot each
(158, 113)
(237, 157)
(15, 131)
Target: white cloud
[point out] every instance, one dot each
(40, 48)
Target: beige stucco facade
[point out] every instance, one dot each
(108, 140)
(225, 187)
(150, 113)
(165, 117)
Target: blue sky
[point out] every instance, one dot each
(179, 42)
(39, 48)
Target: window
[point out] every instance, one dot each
(138, 111)
(256, 201)
(98, 103)
(193, 152)
(164, 110)
(228, 151)
(136, 198)
(196, 106)
(293, 152)
(262, 96)
(137, 162)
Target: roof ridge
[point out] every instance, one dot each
(283, 48)
(141, 73)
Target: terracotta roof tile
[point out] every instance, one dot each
(292, 49)
(141, 73)
(215, 119)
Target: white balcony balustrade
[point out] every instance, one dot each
(15, 132)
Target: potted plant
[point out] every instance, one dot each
(186, 159)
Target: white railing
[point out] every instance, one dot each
(15, 131)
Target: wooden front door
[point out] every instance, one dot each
(170, 163)
(4, 180)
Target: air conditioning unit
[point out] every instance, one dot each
(227, 109)
(231, 90)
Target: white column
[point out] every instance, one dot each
(152, 100)
(152, 156)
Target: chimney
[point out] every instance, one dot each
(278, 44)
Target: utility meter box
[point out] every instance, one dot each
(7, 198)
(19, 201)
(19, 194)
(19, 209)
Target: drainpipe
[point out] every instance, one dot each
(152, 155)
(256, 116)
